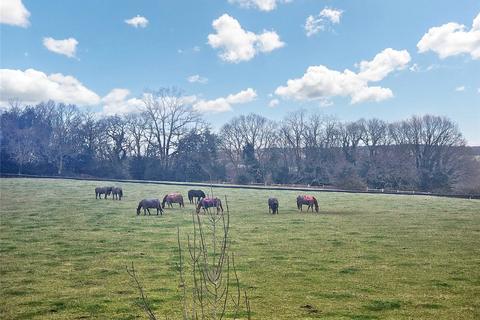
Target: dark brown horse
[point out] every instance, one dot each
(195, 195)
(117, 193)
(102, 190)
(273, 205)
(149, 203)
(308, 200)
(173, 198)
(206, 203)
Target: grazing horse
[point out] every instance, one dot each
(273, 205)
(102, 190)
(206, 203)
(195, 195)
(149, 203)
(117, 193)
(173, 198)
(310, 201)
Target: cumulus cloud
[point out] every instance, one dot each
(262, 5)
(116, 102)
(452, 39)
(320, 82)
(32, 86)
(224, 104)
(14, 13)
(67, 47)
(137, 22)
(197, 79)
(238, 44)
(317, 23)
(460, 88)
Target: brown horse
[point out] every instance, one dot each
(173, 198)
(308, 200)
(146, 204)
(102, 190)
(273, 205)
(195, 195)
(117, 193)
(206, 203)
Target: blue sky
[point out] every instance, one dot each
(254, 48)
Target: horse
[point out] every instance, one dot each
(149, 203)
(102, 190)
(173, 198)
(195, 195)
(273, 205)
(117, 193)
(206, 203)
(308, 200)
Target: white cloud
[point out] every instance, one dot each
(331, 14)
(225, 104)
(67, 47)
(197, 79)
(14, 13)
(262, 5)
(460, 88)
(137, 22)
(116, 102)
(452, 39)
(313, 25)
(238, 44)
(273, 103)
(317, 23)
(32, 86)
(320, 82)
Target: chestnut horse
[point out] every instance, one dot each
(273, 205)
(308, 200)
(206, 203)
(173, 198)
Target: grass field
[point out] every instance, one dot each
(63, 254)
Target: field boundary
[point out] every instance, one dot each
(249, 186)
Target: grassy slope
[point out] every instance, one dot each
(364, 257)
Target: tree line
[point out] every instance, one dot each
(168, 140)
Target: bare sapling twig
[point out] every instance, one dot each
(207, 273)
(144, 301)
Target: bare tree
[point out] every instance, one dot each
(292, 132)
(350, 135)
(433, 142)
(169, 118)
(65, 121)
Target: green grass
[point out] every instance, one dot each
(63, 254)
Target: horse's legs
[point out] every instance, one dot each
(148, 211)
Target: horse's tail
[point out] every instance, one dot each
(199, 206)
(315, 202)
(190, 196)
(164, 200)
(299, 202)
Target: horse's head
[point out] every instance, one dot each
(164, 200)
(315, 203)
(138, 211)
(199, 206)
